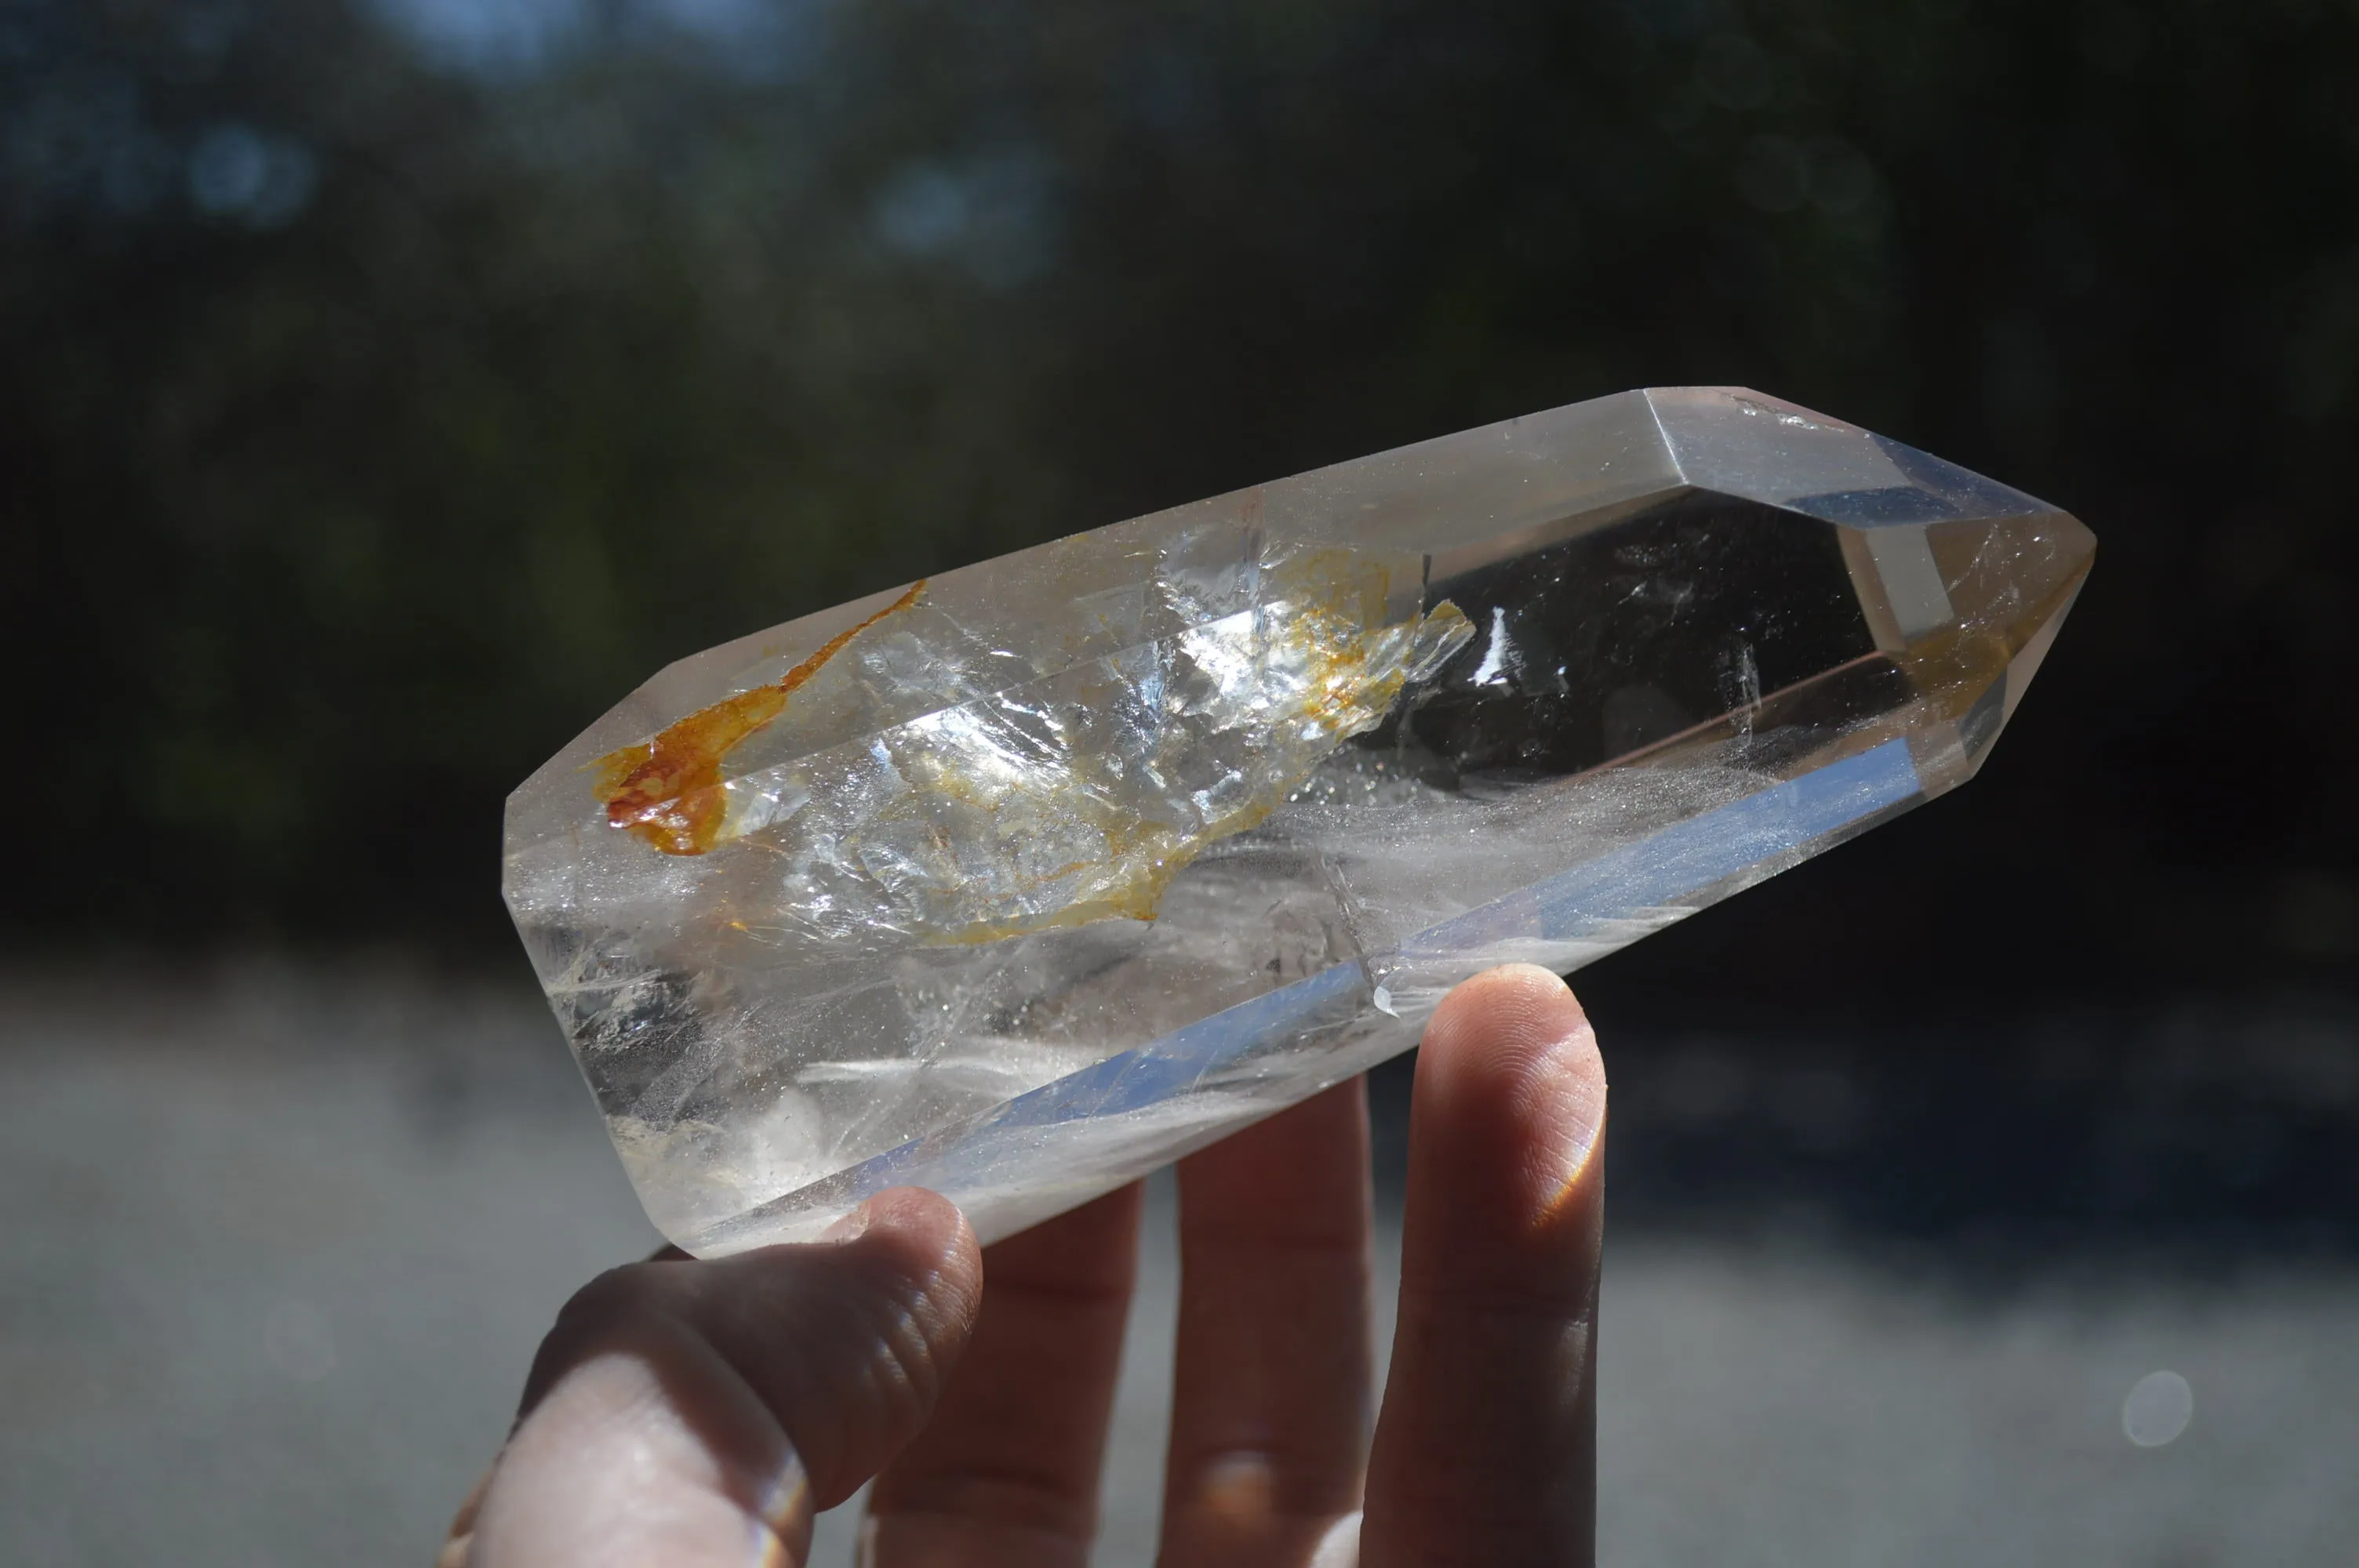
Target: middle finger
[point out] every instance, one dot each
(1271, 1382)
(1007, 1473)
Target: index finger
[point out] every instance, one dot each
(1486, 1452)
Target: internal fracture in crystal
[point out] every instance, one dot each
(1056, 802)
(1024, 879)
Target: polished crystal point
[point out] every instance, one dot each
(1026, 878)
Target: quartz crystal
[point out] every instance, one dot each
(1025, 880)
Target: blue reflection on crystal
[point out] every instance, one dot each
(1668, 867)
(1936, 492)
(1663, 870)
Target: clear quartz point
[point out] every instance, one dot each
(1026, 880)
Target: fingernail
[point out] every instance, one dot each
(1340, 1547)
(850, 1228)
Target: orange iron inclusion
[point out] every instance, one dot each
(668, 790)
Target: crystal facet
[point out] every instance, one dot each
(1025, 880)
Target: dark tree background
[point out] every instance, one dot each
(388, 386)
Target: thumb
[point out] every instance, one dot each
(701, 1413)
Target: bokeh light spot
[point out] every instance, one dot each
(2158, 1409)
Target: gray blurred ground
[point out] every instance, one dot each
(281, 1240)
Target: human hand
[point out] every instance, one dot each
(697, 1413)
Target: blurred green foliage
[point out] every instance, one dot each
(391, 386)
